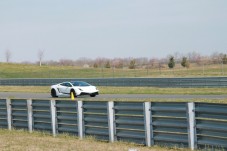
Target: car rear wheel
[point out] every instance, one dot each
(53, 93)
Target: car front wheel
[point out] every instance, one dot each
(73, 92)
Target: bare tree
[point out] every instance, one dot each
(177, 55)
(216, 57)
(8, 55)
(66, 62)
(40, 56)
(195, 57)
(100, 62)
(153, 63)
(82, 62)
(117, 63)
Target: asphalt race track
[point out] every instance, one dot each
(23, 95)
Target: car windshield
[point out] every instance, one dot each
(80, 83)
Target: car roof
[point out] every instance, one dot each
(71, 82)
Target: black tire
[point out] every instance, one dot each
(53, 93)
(92, 95)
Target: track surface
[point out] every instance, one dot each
(113, 96)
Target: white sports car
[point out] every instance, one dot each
(76, 87)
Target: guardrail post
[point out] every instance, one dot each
(191, 126)
(30, 120)
(111, 120)
(147, 120)
(80, 119)
(9, 113)
(151, 126)
(53, 116)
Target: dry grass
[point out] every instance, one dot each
(37, 141)
(218, 101)
(13, 70)
(32, 89)
(156, 90)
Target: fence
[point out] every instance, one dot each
(149, 82)
(190, 125)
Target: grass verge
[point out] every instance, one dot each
(134, 90)
(126, 90)
(19, 140)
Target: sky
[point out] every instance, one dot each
(73, 29)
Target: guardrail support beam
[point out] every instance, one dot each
(147, 120)
(9, 113)
(111, 120)
(191, 126)
(30, 119)
(80, 119)
(53, 116)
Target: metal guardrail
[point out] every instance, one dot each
(149, 82)
(129, 122)
(19, 114)
(190, 125)
(169, 124)
(211, 127)
(66, 115)
(3, 114)
(41, 114)
(95, 120)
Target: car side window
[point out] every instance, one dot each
(68, 85)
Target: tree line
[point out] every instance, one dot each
(185, 60)
(143, 62)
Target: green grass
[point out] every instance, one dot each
(126, 90)
(34, 71)
(19, 140)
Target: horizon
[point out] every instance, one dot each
(192, 57)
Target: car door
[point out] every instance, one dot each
(61, 87)
(66, 87)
